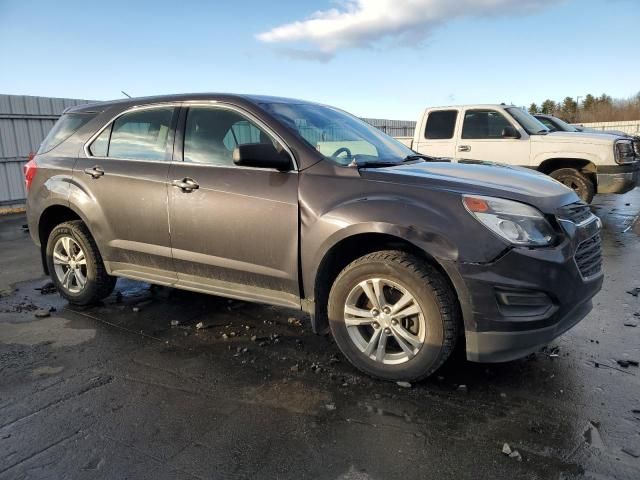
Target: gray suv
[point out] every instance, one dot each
(401, 257)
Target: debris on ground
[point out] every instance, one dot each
(626, 362)
(404, 384)
(295, 322)
(623, 363)
(200, 326)
(136, 309)
(516, 454)
(295, 368)
(462, 388)
(175, 323)
(506, 449)
(225, 336)
(633, 363)
(630, 324)
(42, 313)
(330, 406)
(551, 352)
(635, 453)
(47, 289)
(634, 291)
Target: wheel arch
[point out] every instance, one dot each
(583, 165)
(50, 217)
(350, 247)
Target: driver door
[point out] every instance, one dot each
(236, 231)
(481, 139)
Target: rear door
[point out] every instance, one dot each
(481, 139)
(235, 230)
(124, 175)
(437, 135)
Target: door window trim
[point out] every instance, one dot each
(178, 151)
(170, 137)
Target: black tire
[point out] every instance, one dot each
(99, 284)
(433, 295)
(577, 181)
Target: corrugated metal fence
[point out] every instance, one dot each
(24, 122)
(630, 127)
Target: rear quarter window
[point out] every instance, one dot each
(67, 125)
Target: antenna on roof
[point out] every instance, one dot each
(125, 93)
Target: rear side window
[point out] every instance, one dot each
(140, 135)
(67, 125)
(440, 125)
(483, 124)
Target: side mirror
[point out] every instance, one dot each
(261, 155)
(510, 132)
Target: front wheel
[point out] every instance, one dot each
(76, 266)
(393, 316)
(577, 181)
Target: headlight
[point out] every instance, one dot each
(624, 153)
(516, 222)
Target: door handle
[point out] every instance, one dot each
(186, 184)
(464, 148)
(95, 172)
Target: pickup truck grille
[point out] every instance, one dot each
(636, 148)
(576, 212)
(588, 257)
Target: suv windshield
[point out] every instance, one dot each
(564, 126)
(531, 125)
(338, 136)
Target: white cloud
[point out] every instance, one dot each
(361, 23)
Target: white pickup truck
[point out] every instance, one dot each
(589, 163)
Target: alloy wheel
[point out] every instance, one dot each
(70, 264)
(384, 321)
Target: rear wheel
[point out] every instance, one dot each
(75, 264)
(577, 181)
(393, 316)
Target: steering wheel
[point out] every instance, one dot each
(342, 150)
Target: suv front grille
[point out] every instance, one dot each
(636, 148)
(576, 212)
(588, 257)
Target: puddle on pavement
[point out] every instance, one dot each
(45, 371)
(59, 332)
(295, 397)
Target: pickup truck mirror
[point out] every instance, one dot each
(510, 132)
(262, 155)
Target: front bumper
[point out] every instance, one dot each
(619, 178)
(527, 297)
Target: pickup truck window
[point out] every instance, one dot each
(338, 136)
(479, 124)
(211, 134)
(441, 124)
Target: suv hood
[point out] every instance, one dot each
(481, 178)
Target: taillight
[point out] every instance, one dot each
(30, 169)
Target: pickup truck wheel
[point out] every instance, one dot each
(577, 181)
(76, 266)
(393, 316)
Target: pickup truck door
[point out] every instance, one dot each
(480, 138)
(234, 230)
(435, 135)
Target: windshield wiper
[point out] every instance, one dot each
(417, 156)
(367, 163)
(542, 132)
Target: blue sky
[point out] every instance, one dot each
(93, 50)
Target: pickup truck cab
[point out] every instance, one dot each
(587, 163)
(291, 203)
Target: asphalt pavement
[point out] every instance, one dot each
(133, 389)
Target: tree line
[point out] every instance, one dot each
(591, 109)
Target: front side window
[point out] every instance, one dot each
(547, 123)
(211, 135)
(338, 136)
(140, 135)
(441, 124)
(483, 124)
